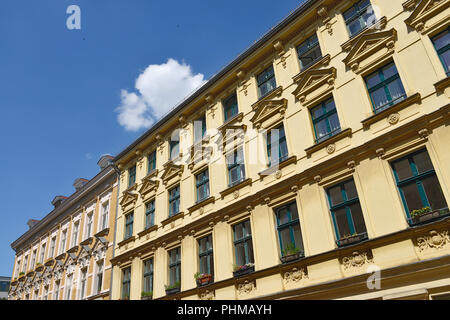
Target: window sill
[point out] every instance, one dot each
(125, 241)
(415, 98)
(269, 95)
(202, 203)
(172, 291)
(176, 216)
(244, 272)
(323, 61)
(235, 187)
(344, 133)
(352, 240)
(274, 168)
(102, 233)
(87, 241)
(291, 258)
(443, 84)
(148, 230)
(429, 217)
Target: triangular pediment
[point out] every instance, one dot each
(148, 185)
(171, 170)
(369, 44)
(129, 196)
(312, 80)
(425, 10)
(268, 109)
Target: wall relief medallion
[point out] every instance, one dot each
(434, 240)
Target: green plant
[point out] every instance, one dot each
(420, 212)
(199, 275)
(290, 249)
(243, 267)
(177, 284)
(21, 273)
(147, 294)
(348, 235)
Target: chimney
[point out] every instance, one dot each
(79, 183)
(58, 200)
(105, 160)
(32, 222)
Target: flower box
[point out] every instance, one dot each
(243, 270)
(204, 280)
(172, 291)
(291, 257)
(428, 216)
(147, 298)
(352, 239)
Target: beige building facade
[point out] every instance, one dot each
(66, 255)
(314, 166)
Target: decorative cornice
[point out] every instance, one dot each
(170, 171)
(148, 230)
(441, 85)
(128, 240)
(424, 11)
(236, 187)
(377, 26)
(267, 109)
(310, 81)
(176, 216)
(331, 141)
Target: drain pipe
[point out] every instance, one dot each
(115, 228)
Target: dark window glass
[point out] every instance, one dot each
(148, 275)
(325, 120)
(236, 167)
(126, 281)
(266, 82)
(276, 146)
(174, 145)
(205, 250)
(243, 243)
(199, 128)
(174, 267)
(129, 225)
(132, 176)
(309, 52)
(174, 201)
(152, 161)
(150, 214)
(385, 87)
(358, 17)
(230, 107)
(202, 185)
(288, 226)
(442, 44)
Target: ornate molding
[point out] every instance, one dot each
(246, 287)
(207, 295)
(267, 110)
(433, 241)
(423, 12)
(357, 260)
(171, 170)
(314, 84)
(295, 275)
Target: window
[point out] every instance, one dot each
(56, 290)
(99, 277)
(126, 281)
(418, 184)
(288, 226)
(202, 185)
(346, 211)
(230, 107)
(68, 287)
(266, 81)
(325, 120)
(385, 87)
(199, 129)
(174, 201)
(174, 267)
(52, 247)
(151, 161)
(276, 146)
(236, 167)
(131, 176)
(309, 52)
(174, 145)
(129, 225)
(42, 256)
(17, 269)
(150, 214)
(33, 259)
(441, 43)
(205, 255)
(75, 234)
(83, 284)
(243, 243)
(24, 266)
(358, 17)
(148, 275)
(104, 216)
(89, 220)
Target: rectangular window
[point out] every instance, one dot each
(266, 82)
(243, 246)
(16, 275)
(230, 107)
(174, 201)
(33, 260)
(83, 284)
(236, 167)
(104, 216)
(132, 176)
(25, 262)
(126, 282)
(52, 247)
(418, 184)
(56, 290)
(68, 287)
(129, 225)
(325, 120)
(175, 267)
(202, 185)
(42, 256)
(346, 212)
(385, 87)
(358, 17)
(276, 146)
(205, 255)
(99, 277)
(289, 232)
(441, 43)
(75, 234)
(89, 222)
(199, 129)
(151, 161)
(309, 52)
(148, 275)
(150, 214)
(174, 145)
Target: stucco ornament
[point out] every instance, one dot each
(246, 287)
(100, 253)
(295, 275)
(393, 118)
(278, 174)
(356, 260)
(207, 295)
(434, 240)
(236, 194)
(331, 148)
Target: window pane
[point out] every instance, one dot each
(412, 197)
(434, 193)
(379, 98)
(423, 162)
(350, 189)
(247, 231)
(285, 236)
(294, 212)
(335, 195)
(358, 219)
(403, 169)
(334, 123)
(249, 251)
(298, 236)
(446, 60)
(238, 231)
(389, 70)
(396, 90)
(373, 80)
(240, 254)
(283, 216)
(321, 129)
(342, 222)
(441, 40)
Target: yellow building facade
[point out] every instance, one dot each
(314, 166)
(66, 255)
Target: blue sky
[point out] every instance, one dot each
(60, 89)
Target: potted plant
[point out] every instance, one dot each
(146, 295)
(350, 238)
(242, 270)
(174, 288)
(424, 214)
(203, 279)
(291, 253)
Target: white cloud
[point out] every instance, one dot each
(160, 88)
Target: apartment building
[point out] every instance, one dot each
(66, 255)
(313, 166)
